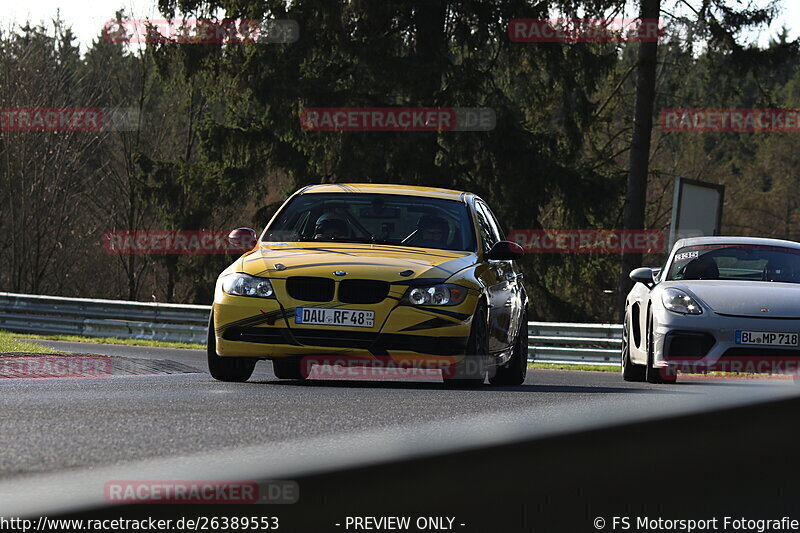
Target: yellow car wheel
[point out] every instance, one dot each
(515, 370)
(471, 371)
(226, 368)
(288, 368)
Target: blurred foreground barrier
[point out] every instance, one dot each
(548, 342)
(651, 460)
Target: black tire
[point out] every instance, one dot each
(471, 371)
(515, 370)
(656, 375)
(235, 369)
(288, 368)
(630, 371)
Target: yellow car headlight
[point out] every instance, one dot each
(246, 285)
(442, 294)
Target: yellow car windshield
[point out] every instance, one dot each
(375, 218)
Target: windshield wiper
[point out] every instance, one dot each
(396, 242)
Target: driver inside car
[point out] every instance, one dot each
(778, 270)
(431, 232)
(330, 227)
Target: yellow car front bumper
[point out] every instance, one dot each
(266, 328)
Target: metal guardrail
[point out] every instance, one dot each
(27, 313)
(548, 342)
(574, 343)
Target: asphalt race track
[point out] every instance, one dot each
(54, 432)
(100, 421)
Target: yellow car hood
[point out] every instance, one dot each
(364, 261)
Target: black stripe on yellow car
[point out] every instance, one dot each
(417, 282)
(459, 316)
(433, 323)
(263, 318)
(376, 249)
(361, 263)
(309, 250)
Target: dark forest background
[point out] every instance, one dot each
(219, 144)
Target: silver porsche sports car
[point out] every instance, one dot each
(720, 303)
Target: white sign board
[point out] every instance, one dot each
(696, 209)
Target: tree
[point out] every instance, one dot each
(636, 191)
(417, 54)
(720, 23)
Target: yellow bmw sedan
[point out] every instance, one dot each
(389, 275)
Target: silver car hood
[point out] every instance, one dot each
(745, 298)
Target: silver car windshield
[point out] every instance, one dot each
(736, 262)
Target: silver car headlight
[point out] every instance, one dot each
(442, 294)
(677, 301)
(240, 284)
